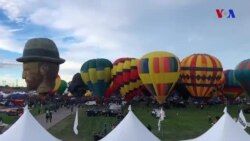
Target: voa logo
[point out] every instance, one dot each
(222, 13)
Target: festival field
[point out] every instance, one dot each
(179, 124)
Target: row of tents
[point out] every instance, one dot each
(27, 128)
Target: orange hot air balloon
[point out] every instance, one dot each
(220, 85)
(201, 73)
(159, 71)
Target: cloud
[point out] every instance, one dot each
(9, 63)
(84, 30)
(6, 40)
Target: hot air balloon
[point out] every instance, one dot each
(242, 75)
(232, 88)
(201, 73)
(63, 86)
(218, 89)
(57, 85)
(159, 72)
(77, 86)
(181, 90)
(96, 74)
(125, 77)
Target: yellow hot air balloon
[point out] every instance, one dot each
(57, 84)
(159, 71)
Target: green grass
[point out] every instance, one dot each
(8, 119)
(11, 119)
(179, 124)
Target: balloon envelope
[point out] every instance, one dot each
(182, 90)
(125, 77)
(220, 85)
(63, 86)
(96, 74)
(77, 86)
(201, 73)
(242, 75)
(232, 87)
(57, 84)
(159, 72)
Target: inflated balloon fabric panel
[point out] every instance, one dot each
(220, 85)
(242, 75)
(125, 76)
(159, 72)
(96, 74)
(57, 85)
(232, 87)
(201, 73)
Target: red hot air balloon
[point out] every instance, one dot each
(125, 78)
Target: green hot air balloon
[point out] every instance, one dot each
(63, 86)
(242, 75)
(232, 87)
(96, 74)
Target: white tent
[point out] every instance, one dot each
(225, 129)
(130, 129)
(26, 128)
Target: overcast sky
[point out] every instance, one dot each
(87, 29)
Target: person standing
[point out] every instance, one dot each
(72, 109)
(47, 116)
(50, 116)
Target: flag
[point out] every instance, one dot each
(162, 116)
(242, 120)
(225, 110)
(129, 108)
(76, 123)
(26, 108)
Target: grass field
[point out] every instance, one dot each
(179, 124)
(11, 119)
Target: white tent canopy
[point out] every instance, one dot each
(225, 129)
(130, 129)
(26, 128)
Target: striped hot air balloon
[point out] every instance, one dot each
(201, 73)
(96, 74)
(232, 87)
(159, 72)
(218, 89)
(242, 75)
(125, 78)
